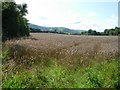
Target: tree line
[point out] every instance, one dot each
(115, 31)
(108, 32)
(35, 30)
(14, 24)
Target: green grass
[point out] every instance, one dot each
(51, 73)
(54, 75)
(5, 55)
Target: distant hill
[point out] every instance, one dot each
(43, 28)
(57, 29)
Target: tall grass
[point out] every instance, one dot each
(96, 75)
(58, 67)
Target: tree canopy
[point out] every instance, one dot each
(110, 32)
(14, 24)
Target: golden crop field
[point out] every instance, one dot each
(40, 50)
(67, 46)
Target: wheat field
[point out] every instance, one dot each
(65, 46)
(40, 50)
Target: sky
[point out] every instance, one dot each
(73, 14)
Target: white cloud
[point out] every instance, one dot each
(111, 22)
(89, 23)
(58, 13)
(91, 13)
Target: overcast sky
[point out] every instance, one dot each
(73, 14)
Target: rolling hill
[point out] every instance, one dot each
(57, 29)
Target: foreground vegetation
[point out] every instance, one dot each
(28, 64)
(96, 75)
